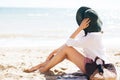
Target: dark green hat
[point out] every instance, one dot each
(95, 23)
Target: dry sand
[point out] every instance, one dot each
(14, 60)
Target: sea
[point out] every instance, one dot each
(50, 27)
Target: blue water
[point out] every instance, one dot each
(33, 20)
(49, 25)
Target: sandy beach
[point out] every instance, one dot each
(14, 60)
(28, 35)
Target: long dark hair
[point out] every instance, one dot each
(95, 23)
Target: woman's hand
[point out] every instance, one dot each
(85, 23)
(51, 55)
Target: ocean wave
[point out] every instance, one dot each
(14, 35)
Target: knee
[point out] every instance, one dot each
(65, 48)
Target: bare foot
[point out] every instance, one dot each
(30, 70)
(46, 72)
(43, 70)
(27, 70)
(35, 67)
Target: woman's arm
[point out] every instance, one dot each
(84, 24)
(52, 54)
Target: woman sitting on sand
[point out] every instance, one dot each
(90, 41)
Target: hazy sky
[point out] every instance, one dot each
(60, 3)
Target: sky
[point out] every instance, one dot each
(60, 3)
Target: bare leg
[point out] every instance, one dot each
(36, 67)
(65, 52)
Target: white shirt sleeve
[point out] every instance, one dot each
(72, 42)
(91, 44)
(79, 40)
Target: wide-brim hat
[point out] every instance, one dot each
(80, 14)
(95, 22)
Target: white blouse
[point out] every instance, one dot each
(91, 44)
